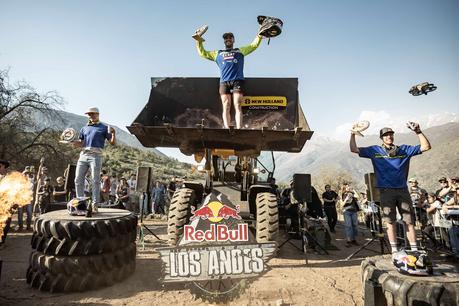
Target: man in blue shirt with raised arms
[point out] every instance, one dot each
(92, 140)
(391, 165)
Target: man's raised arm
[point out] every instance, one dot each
(210, 55)
(425, 144)
(246, 50)
(353, 145)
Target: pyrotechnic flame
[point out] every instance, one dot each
(15, 189)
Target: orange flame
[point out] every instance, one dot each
(15, 189)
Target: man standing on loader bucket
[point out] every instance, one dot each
(231, 64)
(391, 165)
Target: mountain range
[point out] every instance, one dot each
(320, 152)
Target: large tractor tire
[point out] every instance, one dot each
(81, 246)
(82, 265)
(107, 223)
(47, 281)
(76, 253)
(267, 219)
(179, 213)
(383, 285)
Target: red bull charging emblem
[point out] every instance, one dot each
(215, 212)
(216, 251)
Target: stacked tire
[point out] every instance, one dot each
(384, 286)
(73, 253)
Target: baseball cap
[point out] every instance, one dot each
(384, 131)
(442, 179)
(412, 180)
(455, 178)
(92, 110)
(228, 34)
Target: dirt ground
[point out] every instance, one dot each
(326, 280)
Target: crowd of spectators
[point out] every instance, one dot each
(115, 191)
(436, 214)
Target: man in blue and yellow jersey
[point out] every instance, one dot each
(231, 64)
(391, 165)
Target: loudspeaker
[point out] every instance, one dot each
(372, 192)
(70, 177)
(144, 177)
(302, 187)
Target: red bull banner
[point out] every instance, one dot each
(216, 245)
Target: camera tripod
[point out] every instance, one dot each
(376, 232)
(142, 226)
(304, 234)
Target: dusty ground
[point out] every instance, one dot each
(326, 280)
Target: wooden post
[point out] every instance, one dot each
(39, 181)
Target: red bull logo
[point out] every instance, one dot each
(215, 212)
(217, 233)
(409, 260)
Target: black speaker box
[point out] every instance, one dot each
(70, 177)
(302, 187)
(372, 191)
(144, 178)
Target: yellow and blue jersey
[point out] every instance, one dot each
(390, 171)
(230, 61)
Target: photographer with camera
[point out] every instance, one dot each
(350, 209)
(451, 210)
(391, 165)
(446, 190)
(288, 208)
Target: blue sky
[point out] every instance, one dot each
(354, 59)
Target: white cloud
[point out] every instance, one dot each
(380, 119)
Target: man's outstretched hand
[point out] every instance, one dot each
(414, 126)
(359, 127)
(199, 32)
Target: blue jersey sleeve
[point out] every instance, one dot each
(411, 150)
(366, 152)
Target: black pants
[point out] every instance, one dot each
(332, 216)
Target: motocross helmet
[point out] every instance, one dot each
(78, 206)
(269, 26)
(413, 263)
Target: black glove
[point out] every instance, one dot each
(414, 127)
